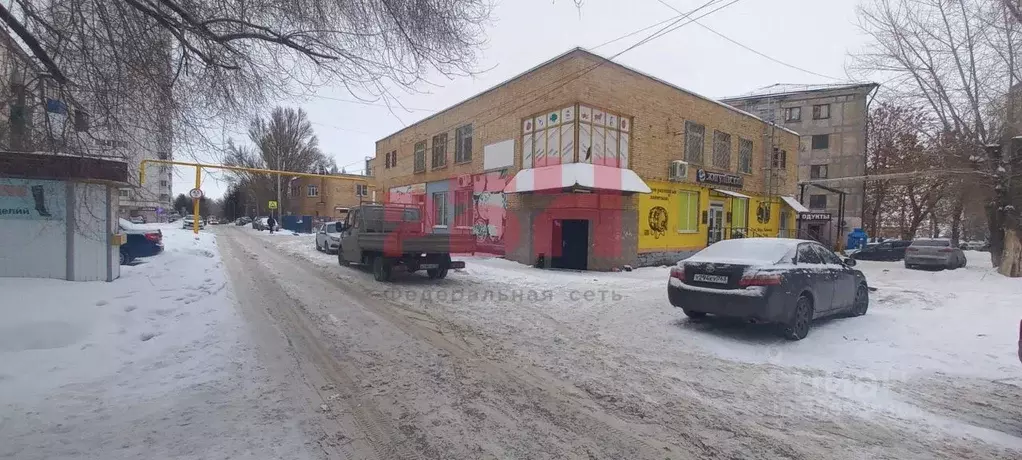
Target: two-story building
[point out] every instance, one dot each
(584, 163)
(327, 198)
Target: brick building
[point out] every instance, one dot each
(832, 122)
(592, 165)
(327, 198)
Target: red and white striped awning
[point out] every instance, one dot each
(576, 175)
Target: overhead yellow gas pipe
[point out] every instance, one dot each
(198, 178)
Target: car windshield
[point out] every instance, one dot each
(748, 251)
(933, 243)
(331, 227)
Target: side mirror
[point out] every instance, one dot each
(849, 262)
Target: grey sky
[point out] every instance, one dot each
(812, 34)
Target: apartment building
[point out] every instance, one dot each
(328, 198)
(584, 163)
(831, 120)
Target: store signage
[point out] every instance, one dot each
(727, 180)
(814, 216)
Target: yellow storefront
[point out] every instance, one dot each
(678, 219)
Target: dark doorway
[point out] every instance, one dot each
(816, 232)
(572, 237)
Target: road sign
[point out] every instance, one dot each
(272, 205)
(195, 193)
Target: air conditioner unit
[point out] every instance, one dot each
(678, 171)
(464, 180)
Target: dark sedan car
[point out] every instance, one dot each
(773, 280)
(141, 242)
(888, 250)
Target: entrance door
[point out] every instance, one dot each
(572, 237)
(715, 223)
(784, 232)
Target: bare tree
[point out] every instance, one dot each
(959, 59)
(201, 65)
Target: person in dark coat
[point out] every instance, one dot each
(271, 223)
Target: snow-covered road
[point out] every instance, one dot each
(245, 345)
(931, 371)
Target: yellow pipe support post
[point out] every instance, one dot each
(195, 205)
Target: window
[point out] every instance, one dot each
(369, 167)
(780, 159)
(826, 255)
(122, 193)
(463, 144)
(439, 151)
(694, 142)
(808, 255)
(361, 190)
(721, 149)
(163, 183)
(821, 141)
(386, 161)
(393, 159)
(463, 208)
(296, 190)
(821, 112)
(330, 228)
(793, 114)
(163, 155)
(739, 212)
(420, 157)
(688, 212)
(164, 197)
(440, 209)
(818, 172)
(313, 191)
(818, 201)
(744, 156)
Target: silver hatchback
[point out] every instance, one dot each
(934, 252)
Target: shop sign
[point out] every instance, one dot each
(814, 216)
(727, 180)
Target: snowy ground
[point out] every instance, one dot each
(934, 360)
(153, 365)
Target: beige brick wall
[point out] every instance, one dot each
(339, 192)
(659, 113)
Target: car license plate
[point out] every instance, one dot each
(429, 266)
(719, 279)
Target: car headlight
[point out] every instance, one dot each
(335, 238)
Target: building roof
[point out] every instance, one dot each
(586, 52)
(789, 89)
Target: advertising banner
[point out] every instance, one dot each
(28, 199)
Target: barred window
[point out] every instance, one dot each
(420, 157)
(744, 156)
(694, 142)
(721, 149)
(463, 146)
(439, 150)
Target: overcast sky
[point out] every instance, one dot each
(814, 35)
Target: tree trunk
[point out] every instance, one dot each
(956, 221)
(1011, 259)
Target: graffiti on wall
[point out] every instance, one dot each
(657, 221)
(489, 211)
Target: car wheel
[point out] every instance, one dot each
(801, 321)
(437, 273)
(318, 247)
(694, 314)
(340, 258)
(381, 270)
(124, 258)
(861, 301)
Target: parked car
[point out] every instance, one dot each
(974, 246)
(328, 238)
(783, 281)
(213, 220)
(189, 222)
(887, 250)
(140, 242)
(934, 252)
(137, 219)
(391, 236)
(260, 223)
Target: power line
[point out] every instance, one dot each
(371, 103)
(725, 37)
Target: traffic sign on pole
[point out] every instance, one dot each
(272, 205)
(195, 194)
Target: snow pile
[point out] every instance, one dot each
(148, 366)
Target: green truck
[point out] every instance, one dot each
(389, 237)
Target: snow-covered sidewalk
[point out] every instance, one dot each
(153, 365)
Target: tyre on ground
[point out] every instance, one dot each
(694, 314)
(861, 304)
(801, 319)
(381, 269)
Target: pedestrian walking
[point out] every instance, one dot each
(271, 223)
